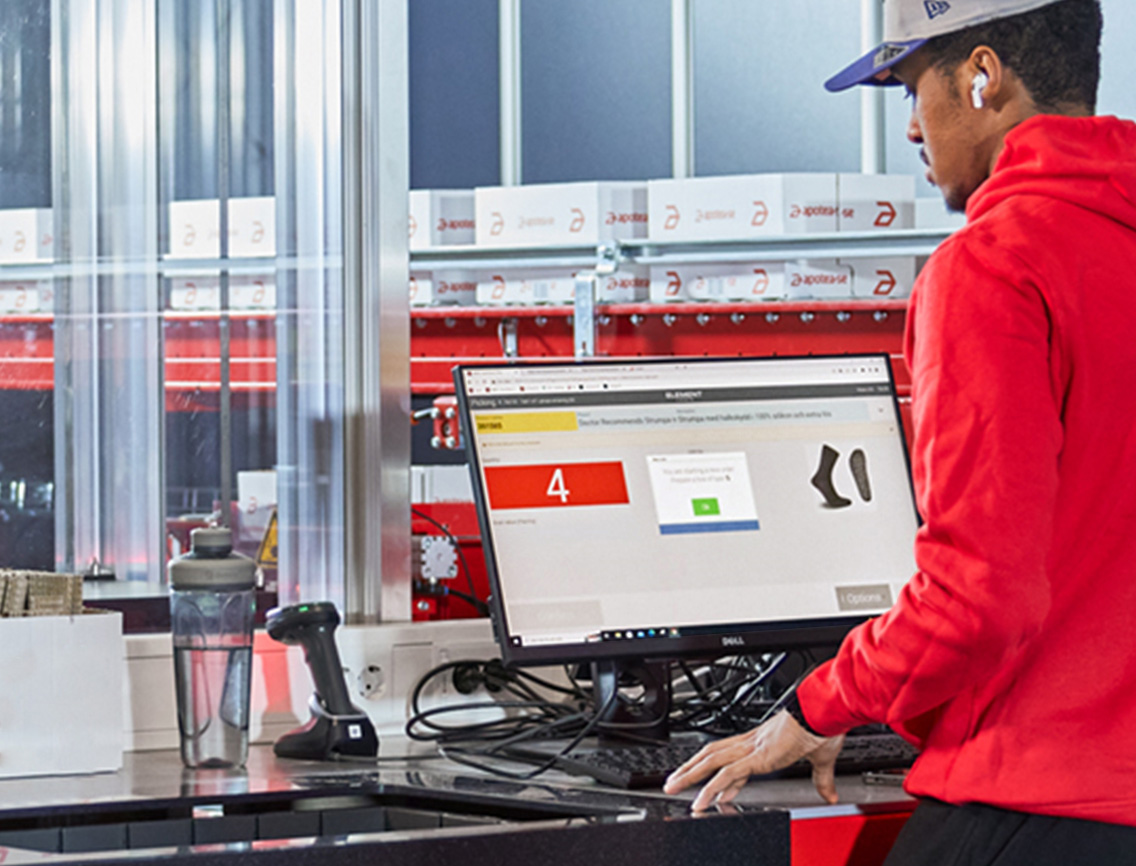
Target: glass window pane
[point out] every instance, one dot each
(27, 454)
(196, 438)
(759, 98)
(116, 418)
(454, 94)
(597, 90)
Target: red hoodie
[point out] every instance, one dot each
(1010, 657)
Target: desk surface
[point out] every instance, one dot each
(159, 775)
(640, 825)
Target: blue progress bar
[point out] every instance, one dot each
(722, 526)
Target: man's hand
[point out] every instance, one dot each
(772, 746)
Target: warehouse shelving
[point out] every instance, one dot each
(442, 336)
(900, 242)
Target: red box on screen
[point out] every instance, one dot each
(556, 485)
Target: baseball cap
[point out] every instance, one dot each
(908, 24)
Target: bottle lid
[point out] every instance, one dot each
(211, 541)
(212, 564)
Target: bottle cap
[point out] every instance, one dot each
(212, 564)
(211, 541)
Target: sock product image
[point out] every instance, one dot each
(822, 480)
(858, 463)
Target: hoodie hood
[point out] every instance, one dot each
(1086, 161)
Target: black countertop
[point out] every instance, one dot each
(417, 809)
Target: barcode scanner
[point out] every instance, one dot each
(337, 727)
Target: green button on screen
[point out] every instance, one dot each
(705, 507)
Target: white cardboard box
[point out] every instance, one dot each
(26, 235)
(818, 279)
(553, 286)
(34, 296)
(440, 217)
(882, 278)
(443, 288)
(203, 292)
(628, 285)
(61, 694)
(875, 202)
(741, 207)
(195, 228)
(560, 214)
(757, 281)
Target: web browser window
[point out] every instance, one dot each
(658, 499)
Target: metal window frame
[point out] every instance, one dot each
(376, 272)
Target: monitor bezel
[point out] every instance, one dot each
(744, 638)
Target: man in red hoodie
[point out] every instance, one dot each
(1010, 657)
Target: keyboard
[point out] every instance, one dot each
(648, 765)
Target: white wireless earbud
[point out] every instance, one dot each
(976, 86)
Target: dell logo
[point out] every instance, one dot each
(935, 8)
(733, 640)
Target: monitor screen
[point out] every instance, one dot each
(641, 509)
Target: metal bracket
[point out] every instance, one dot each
(584, 300)
(507, 334)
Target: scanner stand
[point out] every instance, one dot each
(337, 727)
(327, 736)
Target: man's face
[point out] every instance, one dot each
(949, 131)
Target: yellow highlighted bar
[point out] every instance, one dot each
(527, 422)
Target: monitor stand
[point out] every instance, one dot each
(644, 713)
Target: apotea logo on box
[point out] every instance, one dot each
(886, 283)
(887, 214)
(935, 8)
(762, 281)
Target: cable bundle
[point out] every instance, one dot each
(718, 698)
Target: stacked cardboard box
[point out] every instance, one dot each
(558, 286)
(732, 208)
(752, 207)
(563, 214)
(40, 593)
(441, 218)
(443, 288)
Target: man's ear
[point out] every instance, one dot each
(985, 78)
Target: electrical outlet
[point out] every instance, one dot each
(383, 663)
(370, 682)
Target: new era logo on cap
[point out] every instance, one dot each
(935, 8)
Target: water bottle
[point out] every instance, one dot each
(212, 601)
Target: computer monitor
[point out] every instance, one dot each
(687, 508)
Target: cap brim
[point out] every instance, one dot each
(874, 67)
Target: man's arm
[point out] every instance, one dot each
(987, 440)
(988, 437)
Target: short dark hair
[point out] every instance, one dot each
(1054, 50)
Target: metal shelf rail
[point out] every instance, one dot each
(443, 336)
